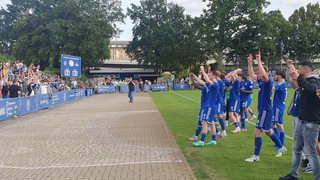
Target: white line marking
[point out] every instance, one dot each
(289, 137)
(85, 166)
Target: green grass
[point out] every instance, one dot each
(226, 159)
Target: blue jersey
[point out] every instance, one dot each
(235, 90)
(208, 95)
(221, 93)
(246, 85)
(204, 95)
(280, 95)
(264, 95)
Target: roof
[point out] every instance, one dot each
(122, 70)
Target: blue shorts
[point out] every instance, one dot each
(277, 116)
(249, 102)
(220, 107)
(234, 106)
(264, 122)
(207, 114)
(244, 104)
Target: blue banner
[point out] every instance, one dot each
(146, 88)
(70, 66)
(124, 89)
(136, 88)
(12, 107)
(89, 92)
(43, 101)
(71, 96)
(181, 86)
(28, 105)
(106, 89)
(57, 99)
(3, 109)
(159, 87)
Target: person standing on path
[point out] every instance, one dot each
(131, 89)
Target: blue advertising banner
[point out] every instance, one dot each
(181, 86)
(43, 101)
(3, 109)
(106, 89)
(12, 107)
(89, 92)
(82, 93)
(57, 99)
(70, 66)
(28, 105)
(124, 89)
(71, 96)
(136, 88)
(146, 88)
(159, 87)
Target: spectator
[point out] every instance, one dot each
(131, 89)
(5, 89)
(14, 89)
(307, 130)
(43, 88)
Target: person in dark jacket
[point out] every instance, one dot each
(307, 130)
(131, 89)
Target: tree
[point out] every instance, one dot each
(305, 34)
(230, 27)
(162, 36)
(273, 41)
(40, 31)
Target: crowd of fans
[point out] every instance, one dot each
(20, 80)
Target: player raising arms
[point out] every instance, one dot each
(208, 108)
(203, 89)
(234, 107)
(264, 121)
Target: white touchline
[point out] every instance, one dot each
(289, 137)
(93, 165)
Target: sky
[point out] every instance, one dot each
(194, 8)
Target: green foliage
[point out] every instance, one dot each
(305, 34)
(163, 36)
(40, 31)
(275, 31)
(230, 28)
(226, 159)
(6, 58)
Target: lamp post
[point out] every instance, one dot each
(282, 45)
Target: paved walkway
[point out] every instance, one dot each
(99, 137)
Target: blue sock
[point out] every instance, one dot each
(275, 130)
(203, 137)
(281, 137)
(245, 115)
(198, 130)
(276, 140)
(223, 126)
(213, 137)
(243, 122)
(217, 130)
(252, 113)
(236, 124)
(257, 145)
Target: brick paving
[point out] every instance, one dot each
(99, 137)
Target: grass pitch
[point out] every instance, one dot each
(226, 159)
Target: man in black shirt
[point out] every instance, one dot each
(131, 89)
(307, 130)
(14, 89)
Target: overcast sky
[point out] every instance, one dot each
(194, 8)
